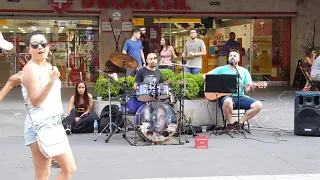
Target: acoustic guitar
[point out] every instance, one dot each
(213, 96)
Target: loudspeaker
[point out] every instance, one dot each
(307, 113)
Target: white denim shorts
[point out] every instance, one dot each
(29, 132)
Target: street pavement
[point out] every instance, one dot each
(272, 151)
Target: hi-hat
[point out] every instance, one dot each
(112, 80)
(177, 59)
(124, 61)
(177, 82)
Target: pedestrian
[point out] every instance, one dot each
(41, 90)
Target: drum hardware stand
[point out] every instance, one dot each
(110, 124)
(181, 103)
(124, 119)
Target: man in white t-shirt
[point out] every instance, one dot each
(196, 48)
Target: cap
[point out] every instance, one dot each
(5, 44)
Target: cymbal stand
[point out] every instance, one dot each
(110, 124)
(124, 119)
(183, 119)
(125, 114)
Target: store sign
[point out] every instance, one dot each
(136, 4)
(3, 21)
(138, 21)
(177, 20)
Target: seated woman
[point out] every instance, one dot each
(81, 117)
(307, 64)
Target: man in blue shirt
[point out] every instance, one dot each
(228, 103)
(232, 43)
(133, 47)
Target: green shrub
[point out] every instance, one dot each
(166, 74)
(200, 81)
(195, 84)
(102, 90)
(191, 87)
(130, 82)
(180, 76)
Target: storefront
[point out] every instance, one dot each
(83, 33)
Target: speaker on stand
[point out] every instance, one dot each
(307, 113)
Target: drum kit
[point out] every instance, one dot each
(155, 120)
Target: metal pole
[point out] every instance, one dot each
(251, 47)
(110, 113)
(170, 31)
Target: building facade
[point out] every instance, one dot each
(84, 32)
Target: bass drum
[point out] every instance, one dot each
(157, 121)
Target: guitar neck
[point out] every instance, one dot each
(257, 84)
(244, 85)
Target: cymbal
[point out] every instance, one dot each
(189, 57)
(179, 58)
(124, 61)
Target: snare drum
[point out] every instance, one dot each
(145, 92)
(163, 91)
(157, 121)
(132, 104)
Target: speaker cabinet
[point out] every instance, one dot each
(307, 113)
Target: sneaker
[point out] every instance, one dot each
(238, 126)
(55, 164)
(68, 130)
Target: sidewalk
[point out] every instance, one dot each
(263, 154)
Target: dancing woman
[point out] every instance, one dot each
(41, 89)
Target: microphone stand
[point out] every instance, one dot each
(238, 88)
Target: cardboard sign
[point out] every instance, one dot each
(201, 142)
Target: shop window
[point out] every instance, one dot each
(74, 45)
(264, 44)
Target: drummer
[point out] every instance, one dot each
(149, 74)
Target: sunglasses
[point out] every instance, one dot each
(35, 45)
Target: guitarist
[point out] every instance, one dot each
(228, 103)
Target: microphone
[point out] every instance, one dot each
(232, 62)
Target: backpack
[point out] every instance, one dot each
(105, 118)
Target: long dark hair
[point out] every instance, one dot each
(167, 44)
(309, 52)
(34, 33)
(85, 95)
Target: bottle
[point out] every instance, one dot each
(95, 126)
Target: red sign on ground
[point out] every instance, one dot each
(201, 142)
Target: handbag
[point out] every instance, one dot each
(52, 141)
